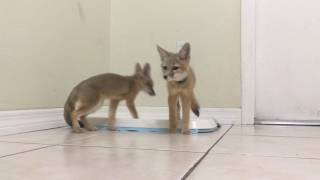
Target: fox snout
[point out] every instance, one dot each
(151, 92)
(168, 78)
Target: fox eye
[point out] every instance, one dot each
(175, 67)
(164, 67)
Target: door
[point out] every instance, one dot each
(288, 61)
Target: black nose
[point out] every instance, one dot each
(152, 93)
(165, 77)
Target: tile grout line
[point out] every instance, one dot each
(186, 175)
(6, 135)
(287, 157)
(267, 156)
(272, 136)
(30, 143)
(92, 146)
(103, 147)
(95, 146)
(22, 152)
(133, 148)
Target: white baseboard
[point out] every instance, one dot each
(19, 121)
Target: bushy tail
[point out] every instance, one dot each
(67, 113)
(195, 106)
(68, 108)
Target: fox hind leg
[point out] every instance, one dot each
(75, 124)
(87, 125)
(83, 107)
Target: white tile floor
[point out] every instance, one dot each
(243, 153)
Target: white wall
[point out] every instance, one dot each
(211, 26)
(288, 60)
(48, 46)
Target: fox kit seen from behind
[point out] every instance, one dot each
(180, 81)
(89, 95)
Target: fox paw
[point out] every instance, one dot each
(93, 128)
(77, 130)
(112, 128)
(172, 130)
(186, 131)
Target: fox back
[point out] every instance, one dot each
(114, 86)
(89, 95)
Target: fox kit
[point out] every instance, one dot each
(180, 81)
(89, 95)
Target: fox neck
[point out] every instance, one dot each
(182, 82)
(185, 80)
(136, 83)
(186, 84)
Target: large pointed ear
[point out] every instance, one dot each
(162, 52)
(147, 69)
(184, 52)
(138, 68)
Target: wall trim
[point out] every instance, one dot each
(12, 122)
(288, 122)
(248, 55)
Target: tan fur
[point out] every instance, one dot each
(89, 95)
(180, 81)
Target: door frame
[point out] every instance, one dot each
(248, 60)
(248, 70)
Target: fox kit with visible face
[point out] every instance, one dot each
(180, 81)
(89, 95)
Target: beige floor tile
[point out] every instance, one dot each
(160, 141)
(235, 167)
(13, 148)
(53, 136)
(270, 146)
(291, 131)
(83, 163)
